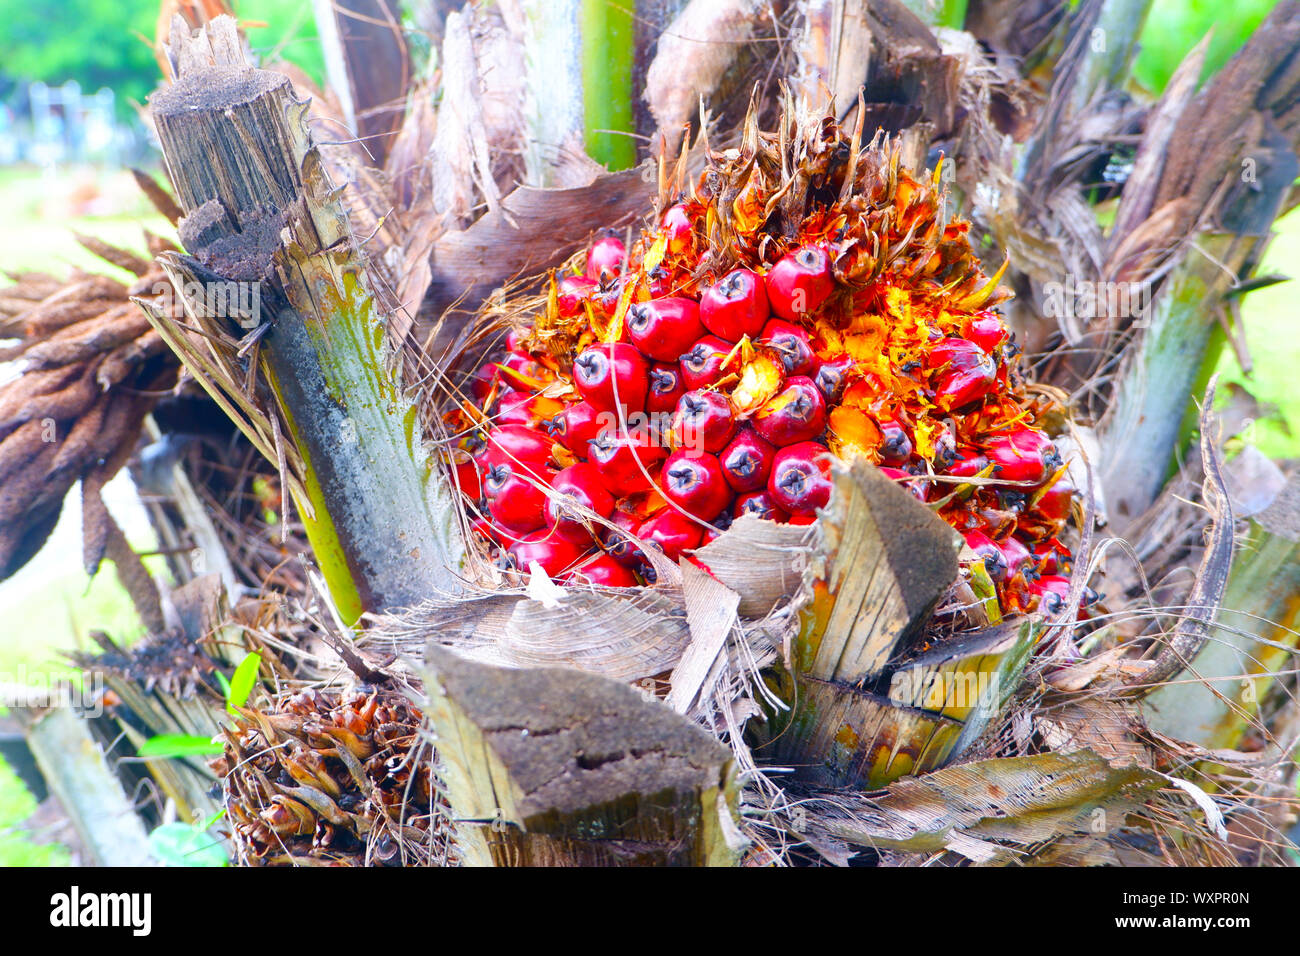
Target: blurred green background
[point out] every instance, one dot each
(50, 605)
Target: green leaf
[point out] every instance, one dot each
(179, 844)
(178, 745)
(242, 681)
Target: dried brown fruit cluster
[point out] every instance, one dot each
(332, 778)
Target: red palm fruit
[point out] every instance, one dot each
(679, 230)
(476, 445)
(659, 282)
(735, 305)
(605, 298)
(600, 370)
(1053, 503)
(484, 379)
(760, 505)
(577, 425)
(617, 457)
(515, 502)
(469, 479)
(801, 478)
(718, 527)
(896, 444)
(519, 371)
(793, 415)
(580, 484)
(606, 258)
(520, 408)
(672, 531)
(1051, 557)
(963, 372)
(617, 541)
(1015, 554)
(986, 330)
(1048, 594)
(664, 328)
(800, 282)
(551, 551)
(694, 481)
(706, 362)
(918, 487)
(721, 522)
(666, 388)
(520, 447)
(968, 465)
(485, 526)
(747, 461)
(703, 421)
(995, 562)
(1053, 590)
(517, 343)
(571, 292)
(1022, 454)
(945, 450)
(831, 375)
(603, 571)
(792, 345)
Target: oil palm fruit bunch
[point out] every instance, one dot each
(805, 298)
(329, 777)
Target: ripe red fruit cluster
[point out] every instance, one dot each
(656, 400)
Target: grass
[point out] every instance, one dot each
(1175, 26)
(1267, 315)
(16, 847)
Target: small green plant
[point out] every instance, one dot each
(190, 844)
(237, 691)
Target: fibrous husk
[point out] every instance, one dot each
(330, 778)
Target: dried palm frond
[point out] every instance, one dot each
(91, 371)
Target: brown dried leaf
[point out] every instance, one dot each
(162, 200)
(19, 403)
(122, 258)
(625, 637)
(20, 446)
(761, 560)
(692, 57)
(84, 340)
(711, 614)
(52, 316)
(1019, 801)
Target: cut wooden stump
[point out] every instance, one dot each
(74, 766)
(885, 561)
(888, 560)
(274, 274)
(556, 767)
